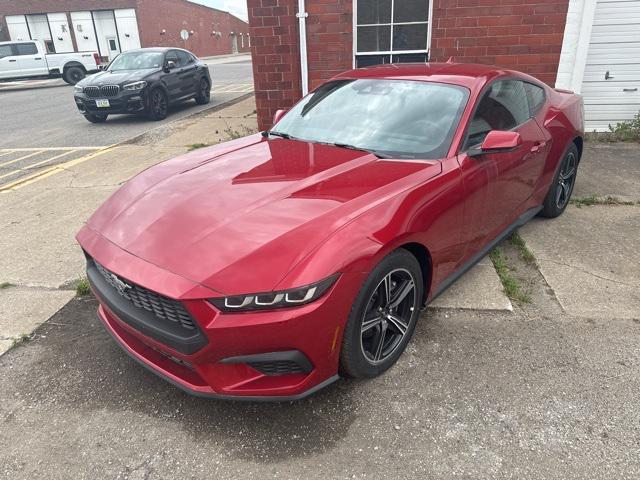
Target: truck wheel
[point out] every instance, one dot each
(95, 118)
(73, 75)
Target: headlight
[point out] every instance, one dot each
(270, 300)
(78, 89)
(135, 86)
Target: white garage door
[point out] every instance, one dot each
(611, 83)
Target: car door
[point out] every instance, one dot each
(31, 61)
(9, 66)
(170, 78)
(499, 184)
(186, 73)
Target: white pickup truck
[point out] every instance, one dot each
(26, 59)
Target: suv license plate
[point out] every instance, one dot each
(102, 103)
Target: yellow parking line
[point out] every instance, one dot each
(7, 152)
(29, 167)
(20, 158)
(48, 172)
(30, 149)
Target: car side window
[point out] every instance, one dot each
(172, 57)
(26, 49)
(535, 96)
(184, 58)
(5, 51)
(503, 106)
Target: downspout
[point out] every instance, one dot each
(302, 26)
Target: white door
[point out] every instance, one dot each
(8, 62)
(611, 82)
(32, 62)
(112, 43)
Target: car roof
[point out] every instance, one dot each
(465, 74)
(155, 49)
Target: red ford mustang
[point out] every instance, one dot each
(267, 266)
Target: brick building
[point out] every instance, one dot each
(576, 44)
(87, 25)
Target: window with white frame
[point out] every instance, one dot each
(391, 31)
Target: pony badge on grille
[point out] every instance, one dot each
(121, 286)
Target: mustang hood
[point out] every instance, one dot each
(237, 217)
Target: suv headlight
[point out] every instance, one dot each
(135, 86)
(271, 300)
(78, 89)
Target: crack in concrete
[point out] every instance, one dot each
(590, 273)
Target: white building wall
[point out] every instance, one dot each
(83, 31)
(17, 25)
(39, 27)
(61, 32)
(105, 27)
(127, 28)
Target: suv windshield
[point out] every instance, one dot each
(136, 61)
(396, 118)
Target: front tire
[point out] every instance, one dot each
(158, 105)
(73, 75)
(383, 316)
(96, 118)
(562, 185)
(204, 92)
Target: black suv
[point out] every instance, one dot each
(145, 80)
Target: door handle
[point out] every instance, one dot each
(537, 147)
(38, 58)
(13, 60)
(629, 89)
(607, 76)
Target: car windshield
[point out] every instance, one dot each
(392, 118)
(136, 61)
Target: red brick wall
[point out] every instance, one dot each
(524, 35)
(276, 56)
(329, 39)
(175, 15)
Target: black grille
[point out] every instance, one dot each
(106, 91)
(161, 306)
(278, 367)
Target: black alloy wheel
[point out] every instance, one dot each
(204, 92)
(73, 75)
(562, 185)
(383, 316)
(387, 316)
(158, 104)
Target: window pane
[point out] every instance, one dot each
(404, 119)
(410, 58)
(535, 96)
(374, 39)
(374, 11)
(26, 48)
(503, 107)
(370, 60)
(410, 37)
(5, 51)
(410, 11)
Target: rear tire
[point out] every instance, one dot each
(158, 107)
(379, 328)
(73, 75)
(96, 118)
(204, 92)
(562, 185)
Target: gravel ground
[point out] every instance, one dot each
(530, 394)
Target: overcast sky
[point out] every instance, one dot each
(235, 7)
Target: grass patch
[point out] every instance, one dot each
(4, 285)
(24, 338)
(525, 254)
(591, 200)
(621, 132)
(242, 131)
(195, 146)
(511, 287)
(82, 287)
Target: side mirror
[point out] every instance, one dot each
(278, 115)
(497, 141)
(170, 65)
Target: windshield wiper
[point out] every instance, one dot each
(266, 133)
(368, 150)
